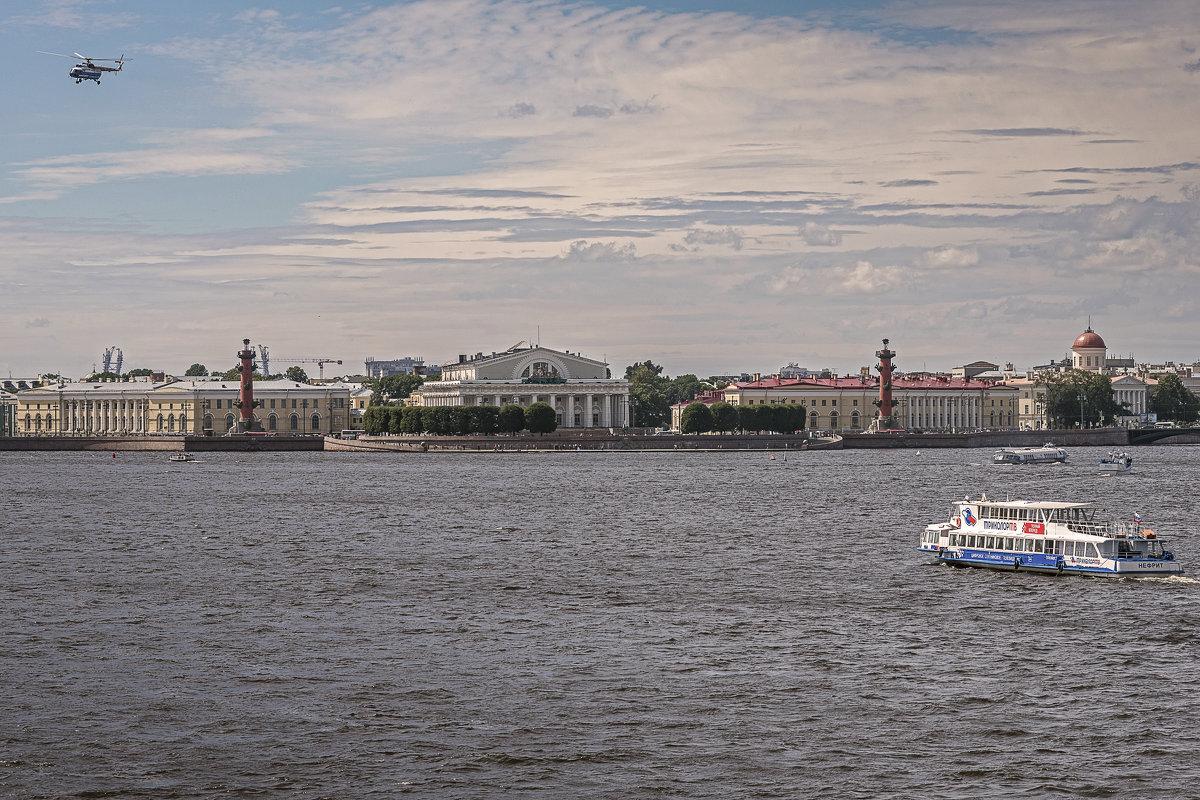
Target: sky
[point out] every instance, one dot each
(717, 186)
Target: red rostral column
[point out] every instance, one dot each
(885, 382)
(246, 401)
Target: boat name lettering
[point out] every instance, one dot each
(999, 526)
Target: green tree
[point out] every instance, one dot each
(429, 419)
(648, 394)
(398, 387)
(296, 373)
(97, 377)
(696, 418)
(196, 371)
(410, 420)
(747, 418)
(1079, 396)
(684, 388)
(140, 372)
(512, 418)
(445, 420)
(1171, 400)
(540, 418)
(485, 419)
(233, 373)
(724, 417)
(395, 418)
(375, 420)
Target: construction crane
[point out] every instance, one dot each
(320, 362)
(263, 352)
(110, 354)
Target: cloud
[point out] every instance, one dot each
(724, 236)
(517, 110)
(909, 182)
(37, 322)
(949, 257)
(819, 235)
(600, 112)
(583, 250)
(866, 278)
(1013, 132)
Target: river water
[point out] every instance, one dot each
(565, 625)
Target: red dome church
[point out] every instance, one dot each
(1089, 351)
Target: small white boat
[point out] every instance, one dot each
(1116, 463)
(181, 457)
(1049, 537)
(1046, 454)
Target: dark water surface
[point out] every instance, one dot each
(578, 625)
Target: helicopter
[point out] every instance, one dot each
(87, 70)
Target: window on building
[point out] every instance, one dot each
(316, 422)
(295, 421)
(218, 402)
(272, 423)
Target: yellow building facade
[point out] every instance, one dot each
(848, 404)
(177, 407)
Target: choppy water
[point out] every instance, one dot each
(578, 625)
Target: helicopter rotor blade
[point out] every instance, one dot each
(60, 55)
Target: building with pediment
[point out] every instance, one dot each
(579, 389)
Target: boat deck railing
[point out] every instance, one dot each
(1109, 530)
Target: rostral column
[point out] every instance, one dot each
(246, 401)
(885, 385)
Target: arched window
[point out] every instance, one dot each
(540, 369)
(272, 422)
(833, 420)
(208, 422)
(183, 422)
(49, 422)
(814, 421)
(295, 422)
(38, 421)
(854, 422)
(28, 423)
(171, 423)
(229, 422)
(316, 422)
(160, 423)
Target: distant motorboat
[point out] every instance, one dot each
(181, 457)
(1046, 454)
(1116, 463)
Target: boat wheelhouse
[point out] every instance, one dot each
(1049, 537)
(1116, 463)
(1046, 454)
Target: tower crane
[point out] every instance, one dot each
(320, 362)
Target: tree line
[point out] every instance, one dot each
(723, 417)
(1079, 398)
(459, 420)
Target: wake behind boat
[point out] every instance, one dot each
(1038, 536)
(1046, 454)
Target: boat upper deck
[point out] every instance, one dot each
(1046, 517)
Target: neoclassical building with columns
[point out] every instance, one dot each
(579, 389)
(134, 408)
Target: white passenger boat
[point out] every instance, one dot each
(177, 457)
(1046, 454)
(1116, 463)
(1050, 537)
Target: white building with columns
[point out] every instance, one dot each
(578, 388)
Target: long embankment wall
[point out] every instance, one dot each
(565, 440)
(195, 444)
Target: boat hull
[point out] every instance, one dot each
(1060, 565)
